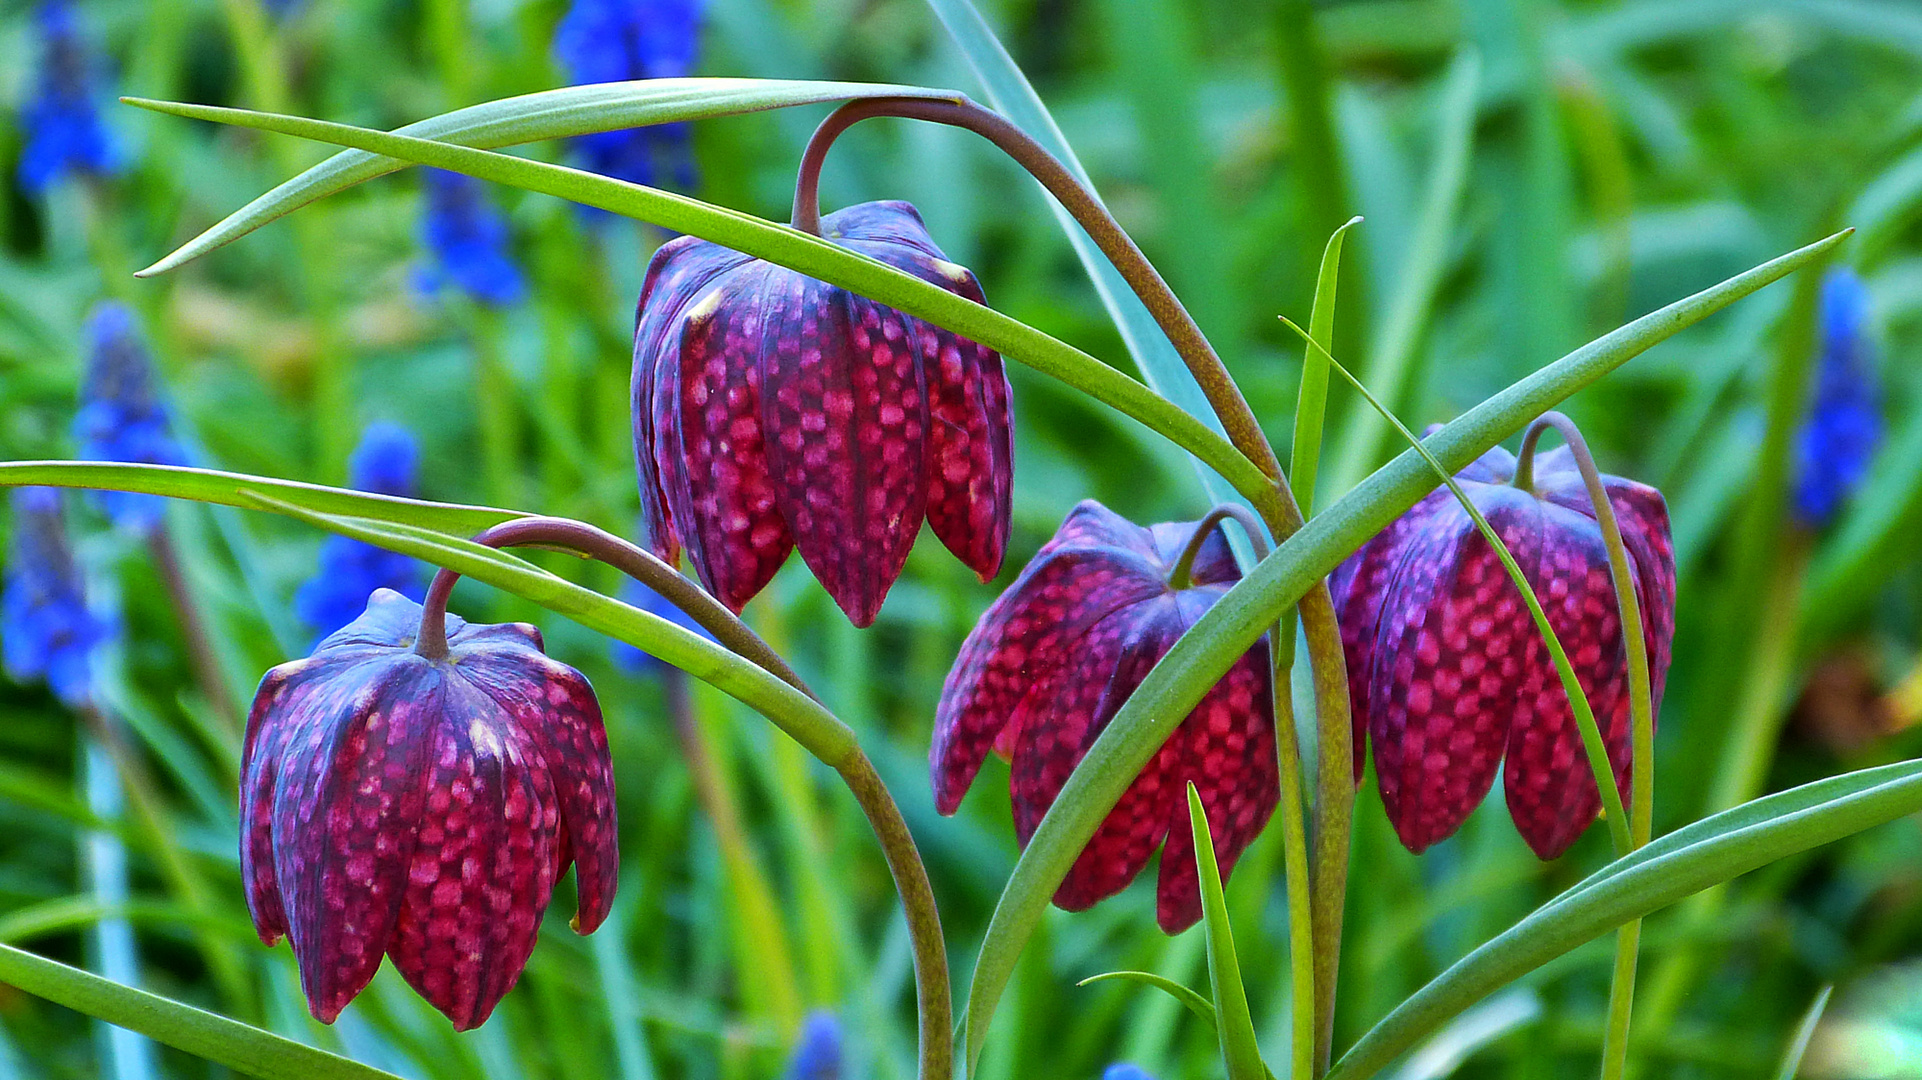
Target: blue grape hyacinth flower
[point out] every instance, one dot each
(466, 239)
(1844, 426)
(64, 133)
(1121, 1070)
(386, 462)
(121, 416)
(617, 40)
(817, 1050)
(49, 632)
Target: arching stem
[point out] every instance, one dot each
(910, 875)
(1641, 784)
(1181, 576)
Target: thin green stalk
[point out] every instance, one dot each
(1234, 1027)
(1641, 698)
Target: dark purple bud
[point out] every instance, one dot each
(422, 809)
(773, 411)
(1448, 673)
(1052, 661)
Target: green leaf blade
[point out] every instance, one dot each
(1235, 1027)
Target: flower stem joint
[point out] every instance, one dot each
(1050, 664)
(423, 808)
(1447, 672)
(773, 411)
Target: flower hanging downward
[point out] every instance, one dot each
(1052, 661)
(773, 411)
(1448, 673)
(422, 808)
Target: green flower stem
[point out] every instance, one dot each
(884, 816)
(1641, 704)
(1180, 577)
(202, 657)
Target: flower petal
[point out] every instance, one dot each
(712, 459)
(1550, 787)
(677, 274)
(1229, 742)
(1015, 649)
(483, 869)
(260, 765)
(1449, 653)
(345, 817)
(846, 421)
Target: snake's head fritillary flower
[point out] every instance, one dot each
(466, 240)
(121, 415)
(47, 628)
(1838, 440)
(64, 134)
(773, 411)
(385, 462)
(600, 41)
(1448, 674)
(817, 1050)
(422, 809)
(1053, 660)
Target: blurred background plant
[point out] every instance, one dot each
(1532, 172)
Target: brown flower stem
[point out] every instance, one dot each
(1237, 419)
(641, 565)
(910, 875)
(1180, 577)
(1641, 807)
(193, 627)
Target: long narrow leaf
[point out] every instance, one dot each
(788, 247)
(1228, 629)
(1725, 849)
(1195, 1003)
(550, 114)
(1799, 1043)
(238, 1046)
(1235, 1027)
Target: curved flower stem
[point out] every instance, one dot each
(1335, 794)
(1237, 419)
(884, 816)
(1181, 576)
(1641, 703)
(583, 539)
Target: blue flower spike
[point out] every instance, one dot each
(467, 241)
(49, 632)
(1121, 1070)
(384, 463)
(617, 40)
(64, 134)
(1844, 425)
(121, 416)
(817, 1050)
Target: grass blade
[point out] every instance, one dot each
(1799, 1044)
(1235, 1027)
(1196, 1004)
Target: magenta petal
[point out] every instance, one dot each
(846, 418)
(719, 493)
(1230, 749)
(1450, 651)
(1013, 652)
(345, 818)
(483, 869)
(260, 767)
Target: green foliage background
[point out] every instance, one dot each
(1619, 155)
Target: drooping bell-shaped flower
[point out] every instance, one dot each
(1448, 674)
(1838, 440)
(121, 416)
(45, 624)
(773, 411)
(351, 570)
(422, 809)
(61, 120)
(617, 40)
(1053, 660)
(817, 1051)
(466, 240)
